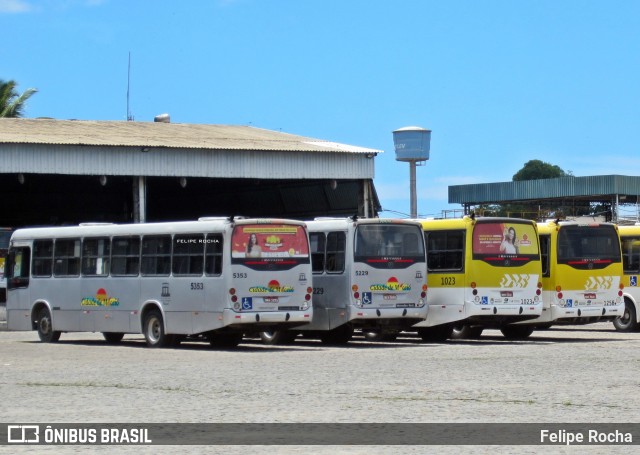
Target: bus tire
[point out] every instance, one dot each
(378, 335)
(437, 333)
(153, 327)
(627, 322)
(113, 337)
(278, 337)
(45, 327)
(225, 340)
(517, 332)
(466, 332)
(338, 336)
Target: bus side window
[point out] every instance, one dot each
(631, 254)
(17, 268)
(317, 244)
(156, 255)
(336, 244)
(545, 248)
(66, 257)
(125, 256)
(42, 258)
(188, 254)
(96, 256)
(445, 250)
(213, 255)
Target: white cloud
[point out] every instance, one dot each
(15, 6)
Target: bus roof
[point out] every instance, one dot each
(107, 229)
(320, 224)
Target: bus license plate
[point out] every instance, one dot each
(271, 300)
(506, 293)
(390, 297)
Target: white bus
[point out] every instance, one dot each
(209, 279)
(630, 240)
(368, 274)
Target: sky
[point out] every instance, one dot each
(499, 82)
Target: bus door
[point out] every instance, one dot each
(17, 269)
(331, 286)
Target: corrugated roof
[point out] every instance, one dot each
(157, 134)
(594, 188)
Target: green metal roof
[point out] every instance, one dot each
(600, 188)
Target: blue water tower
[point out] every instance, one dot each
(412, 144)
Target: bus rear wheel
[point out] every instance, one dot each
(113, 337)
(153, 328)
(278, 337)
(627, 322)
(45, 327)
(517, 332)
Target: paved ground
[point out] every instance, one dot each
(579, 374)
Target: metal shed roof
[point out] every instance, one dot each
(48, 146)
(600, 188)
(158, 134)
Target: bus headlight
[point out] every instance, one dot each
(237, 306)
(304, 306)
(358, 303)
(420, 303)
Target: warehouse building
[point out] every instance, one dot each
(58, 172)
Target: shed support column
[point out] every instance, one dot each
(365, 183)
(139, 199)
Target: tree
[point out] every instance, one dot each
(536, 169)
(11, 103)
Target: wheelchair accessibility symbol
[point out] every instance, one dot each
(247, 303)
(633, 280)
(367, 298)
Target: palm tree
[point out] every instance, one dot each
(11, 103)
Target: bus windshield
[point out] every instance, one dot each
(588, 246)
(272, 246)
(389, 245)
(505, 243)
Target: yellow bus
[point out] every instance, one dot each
(630, 240)
(581, 273)
(482, 273)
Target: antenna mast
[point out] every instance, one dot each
(129, 116)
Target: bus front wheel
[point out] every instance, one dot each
(436, 333)
(517, 332)
(45, 327)
(278, 337)
(154, 330)
(466, 332)
(225, 340)
(627, 322)
(339, 335)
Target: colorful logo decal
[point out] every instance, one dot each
(514, 280)
(392, 284)
(598, 282)
(273, 286)
(101, 299)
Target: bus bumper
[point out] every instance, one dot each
(399, 317)
(275, 319)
